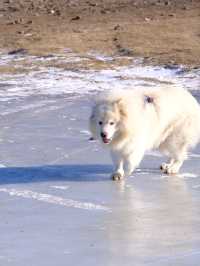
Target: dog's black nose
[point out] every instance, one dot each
(103, 135)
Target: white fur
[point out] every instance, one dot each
(169, 122)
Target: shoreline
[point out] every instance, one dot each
(161, 34)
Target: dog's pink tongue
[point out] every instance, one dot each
(105, 140)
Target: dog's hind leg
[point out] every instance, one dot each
(172, 167)
(176, 162)
(165, 166)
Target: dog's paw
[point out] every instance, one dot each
(164, 166)
(169, 169)
(117, 176)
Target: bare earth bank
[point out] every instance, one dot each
(162, 32)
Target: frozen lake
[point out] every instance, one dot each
(58, 205)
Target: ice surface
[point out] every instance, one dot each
(58, 204)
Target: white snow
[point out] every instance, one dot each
(60, 187)
(28, 194)
(58, 81)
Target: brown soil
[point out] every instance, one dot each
(161, 31)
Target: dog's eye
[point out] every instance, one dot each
(111, 123)
(100, 123)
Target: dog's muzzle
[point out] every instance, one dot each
(104, 138)
(106, 141)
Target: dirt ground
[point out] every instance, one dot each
(161, 31)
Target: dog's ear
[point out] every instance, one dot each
(121, 107)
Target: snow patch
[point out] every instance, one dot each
(187, 175)
(28, 194)
(58, 81)
(60, 187)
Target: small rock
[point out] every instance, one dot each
(57, 13)
(46, 56)
(76, 18)
(103, 11)
(92, 4)
(171, 67)
(28, 34)
(118, 46)
(21, 51)
(125, 51)
(20, 32)
(117, 27)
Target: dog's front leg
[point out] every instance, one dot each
(132, 161)
(118, 173)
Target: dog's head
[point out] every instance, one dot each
(106, 120)
(116, 117)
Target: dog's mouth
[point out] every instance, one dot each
(106, 140)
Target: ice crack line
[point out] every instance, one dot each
(28, 194)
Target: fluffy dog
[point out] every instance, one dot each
(130, 122)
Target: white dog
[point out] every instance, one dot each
(130, 122)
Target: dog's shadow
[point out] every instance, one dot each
(45, 173)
